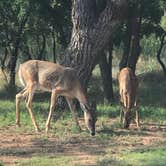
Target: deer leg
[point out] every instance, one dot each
(74, 112)
(29, 106)
(127, 118)
(19, 97)
(137, 119)
(121, 114)
(52, 107)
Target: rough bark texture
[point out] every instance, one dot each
(3, 67)
(127, 41)
(54, 46)
(135, 43)
(90, 34)
(162, 43)
(132, 42)
(106, 73)
(41, 52)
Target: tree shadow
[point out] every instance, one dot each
(152, 89)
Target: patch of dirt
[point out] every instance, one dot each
(85, 150)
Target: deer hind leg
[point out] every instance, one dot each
(127, 118)
(72, 107)
(137, 119)
(31, 90)
(121, 113)
(52, 107)
(19, 97)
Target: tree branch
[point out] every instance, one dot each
(108, 21)
(162, 42)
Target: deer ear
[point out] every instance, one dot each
(84, 107)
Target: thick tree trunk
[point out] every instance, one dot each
(132, 41)
(127, 40)
(135, 38)
(106, 73)
(162, 43)
(90, 34)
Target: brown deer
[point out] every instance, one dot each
(60, 81)
(128, 85)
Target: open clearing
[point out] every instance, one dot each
(19, 147)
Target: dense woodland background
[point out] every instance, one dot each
(97, 38)
(82, 34)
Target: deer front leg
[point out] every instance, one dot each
(137, 119)
(52, 107)
(29, 107)
(19, 97)
(18, 100)
(72, 107)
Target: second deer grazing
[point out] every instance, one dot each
(128, 85)
(60, 81)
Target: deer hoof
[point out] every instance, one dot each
(37, 130)
(18, 125)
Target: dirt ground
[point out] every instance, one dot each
(16, 146)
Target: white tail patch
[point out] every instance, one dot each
(21, 78)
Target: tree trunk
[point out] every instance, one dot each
(90, 34)
(127, 40)
(3, 67)
(16, 44)
(106, 73)
(54, 46)
(135, 38)
(162, 43)
(40, 55)
(132, 41)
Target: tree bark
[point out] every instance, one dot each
(3, 67)
(54, 46)
(90, 34)
(106, 73)
(132, 41)
(40, 55)
(126, 49)
(135, 38)
(162, 43)
(16, 45)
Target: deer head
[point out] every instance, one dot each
(90, 117)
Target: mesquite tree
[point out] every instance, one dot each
(91, 33)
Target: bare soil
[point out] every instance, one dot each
(85, 150)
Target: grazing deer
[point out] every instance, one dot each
(60, 81)
(128, 85)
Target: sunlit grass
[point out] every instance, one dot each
(47, 161)
(151, 106)
(146, 157)
(143, 157)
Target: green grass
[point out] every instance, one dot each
(143, 157)
(112, 146)
(1, 163)
(148, 157)
(47, 161)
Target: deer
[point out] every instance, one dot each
(37, 75)
(128, 86)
